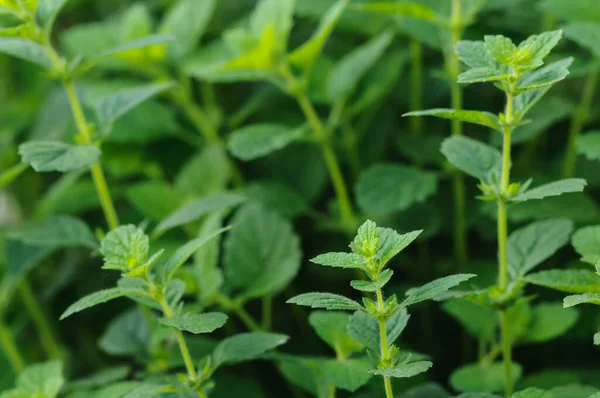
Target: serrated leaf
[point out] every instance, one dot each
(372, 286)
(535, 48)
(331, 328)
(404, 370)
(531, 245)
(501, 48)
(549, 321)
(125, 248)
(344, 77)
(111, 107)
(42, 380)
(58, 156)
(196, 323)
(245, 346)
(55, 231)
(366, 241)
(586, 242)
(255, 141)
(433, 289)
(96, 298)
(546, 76)
(262, 253)
(472, 157)
(480, 75)
(391, 243)
(474, 54)
(25, 50)
(365, 329)
(387, 188)
(305, 55)
(589, 145)
(198, 208)
(486, 119)
(328, 301)
(568, 280)
(586, 298)
(483, 378)
(206, 173)
(340, 260)
(586, 34)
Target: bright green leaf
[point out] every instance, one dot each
(125, 248)
(474, 54)
(94, 299)
(404, 9)
(55, 231)
(42, 380)
(567, 280)
(391, 243)
(549, 321)
(586, 298)
(328, 301)
(366, 241)
(501, 48)
(58, 156)
(473, 157)
(480, 75)
(134, 44)
(486, 378)
(340, 260)
(25, 50)
(535, 48)
(47, 11)
(486, 119)
(586, 242)
(196, 323)
(255, 141)
(404, 370)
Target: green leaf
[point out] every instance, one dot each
(575, 391)
(574, 10)
(474, 54)
(484, 378)
(346, 74)
(206, 173)
(146, 390)
(331, 328)
(47, 11)
(187, 20)
(567, 280)
(589, 145)
(546, 76)
(501, 48)
(198, 208)
(391, 243)
(154, 199)
(42, 380)
(279, 196)
(262, 253)
(596, 342)
(141, 42)
(349, 374)
(387, 188)
(531, 245)
(275, 13)
(404, 370)
(111, 107)
(101, 378)
(532, 51)
(366, 241)
(340, 260)
(127, 334)
(479, 321)
(255, 141)
(586, 298)
(365, 329)
(549, 321)
(427, 390)
(533, 393)
(306, 55)
(245, 346)
(54, 231)
(196, 323)
(328, 301)
(434, 288)
(586, 34)
(168, 269)
(12, 173)
(486, 119)
(125, 248)
(586, 242)
(58, 156)
(94, 299)
(480, 75)
(372, 286)
(472, 157)
(403, 9)
(25, 50)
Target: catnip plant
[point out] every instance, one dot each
(518, 71)
(372, 249)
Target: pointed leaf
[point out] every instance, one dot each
(372, 286)
(252, 142)
(141, 42)
(47, 11)
(25, 50)
(501, 48)
(125, 248)
(532, 51)
(367, 239)
(245, 346)
(586, 242)
(546, 76)
(391, 243)
(196, 323)
(55, 231)
(587, 298)
(486, 119)
(474, 54)
(43, 380)
(472, 157)
(340, 260)
(433, 289)
(58, 156)
(404, 370)
(567, 280)
(486, 378)
(480, 75)
(329, 301)
(94, 299)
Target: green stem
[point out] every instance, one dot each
(506, 353)
(416, 85)
(332, 392)
(267, 312)
(185, 352)
(10, 349)
(244, 316)
(47, 337)
(577, 122)
(385, 353)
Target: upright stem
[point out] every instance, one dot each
(244, 316)
(47, 337)
(10, 349)
(416, 85)
(578, 121)
(385, 353)
(185, 352)
(506, 353)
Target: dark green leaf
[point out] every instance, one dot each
(245, 346)
(329, 301)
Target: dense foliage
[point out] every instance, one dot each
(174, 173)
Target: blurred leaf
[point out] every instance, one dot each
(54, 231)
(477, 117)
(472, 157)
(259, 140)
(42, 380)
(331, 328)
(196, 323)
(126, 334)
(57, 156)
(549, 321)
(47, 11)
(488, 378)
(567, 280)
(589, 145)
(586, 242)
(154, 199)
(585, 10)
(365, 329)
(277, 196)
(479, 321)
(245, 346)
(328, 301)
(206, 173)
(26, 50)
(589, 298)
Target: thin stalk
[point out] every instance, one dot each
(332, 392)
(267, 312)
(385, 354)
(47, 337)
(244, 316)
(11, 350)
(185, 352)
(578, 121)
(506, 353)
(416, 85)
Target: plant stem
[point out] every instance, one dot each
(244, 316)
(577, 122)
(267, 312)
(332, 392)
(185, 352)
(416, 85)
(506, 353)
(10, 349)
(47, 338)
(385, 353)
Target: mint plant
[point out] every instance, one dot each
(372, 249)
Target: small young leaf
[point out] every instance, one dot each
(404, 370)
(196, 323)
(391, 243)
(25, 50)
(368, 286)
(531, 245)
(58, 156)
(55, 231)
(252, 142)
(365, 329)
(245, 346)
(328, 301)
(532, 51)
(125, 248)
(96, 298)
(586, 242)
(341, 260)
(586, 298)
(474, 54)
(433, 289)
(344, 77)
(589, 145)
(567, 280)
(275, 13)
(43, 380)
(331, 328)
(486, 119)
(501, 48)
(483, 377)
(473, 157)
(367, 239)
